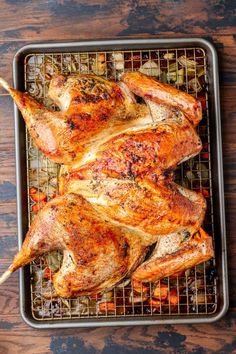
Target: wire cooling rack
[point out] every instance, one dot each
(192, 292)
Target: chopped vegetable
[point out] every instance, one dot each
(80, 306)
(178, 274)
(156, 304)
(150, 68)
(202, 171)
(172, 67)
(177, 77)
(107, 297)
(204, 192)
(169, 55)
(173, 297)
(205, 156)
(33, 190)
(137, 298)
(163, 76)
(172, 76)
(195, 85)
(47, 273)
(99, 65)
(139, 287)
(161, 291)
(106, 307)
(38, 206)
(198, 298)
(200, 72)
(180, 77)
(95, 296)
(184, 61)
(37, 195)
(118, 59)
(54, 260)
(196, 284)
(190, 175)
(205, 146)
(123, 283)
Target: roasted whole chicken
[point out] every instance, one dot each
(117, 195)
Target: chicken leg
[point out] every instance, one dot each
(97, 254)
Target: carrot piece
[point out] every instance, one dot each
(33, 190)
(202, 99)
(156, 303)
(94, 296)
(139, 287)
(204, 192)
(38, 206)
(205, 146)
(47, 273)
(106, 307)
(37, 195)
(161, 291)
(173, 297)
(178, 274)
(205, 156)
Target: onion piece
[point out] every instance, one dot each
(150, 68)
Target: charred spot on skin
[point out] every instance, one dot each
(105, 95)
(186, 236)
(168, 173)
(73, 154)
(129, 170)
(54, 207)
(170, 187)
(72, 124)
(155, 177)
(136, 158)
(125, 248)
(85, 116)
(76, 99)
(41, 244)
(103, 116)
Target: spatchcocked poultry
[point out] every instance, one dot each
(117, 195)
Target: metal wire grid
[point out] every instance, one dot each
(195, 290)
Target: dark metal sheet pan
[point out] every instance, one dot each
(216, 172)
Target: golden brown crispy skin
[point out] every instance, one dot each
(90, 105)
(152, 208)
(97, 254)
(117, 194)
(133, 155)
(189, 253)
(151, 89)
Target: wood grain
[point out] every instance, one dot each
(22, 22)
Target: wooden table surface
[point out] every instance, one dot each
(23, 22)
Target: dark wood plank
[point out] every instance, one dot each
(41, 20)
(130, 340)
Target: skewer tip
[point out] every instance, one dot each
(5, 276)
(4, 84)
